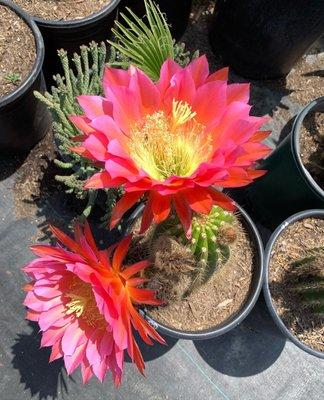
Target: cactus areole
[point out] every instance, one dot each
(210, 244)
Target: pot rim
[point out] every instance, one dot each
(240, 314)
(38, 63)
(314, 105)
(266, 290)
(76, 23)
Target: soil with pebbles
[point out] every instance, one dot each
(290, 247)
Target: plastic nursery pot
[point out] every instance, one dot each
(177, 12)
(235, 319)
(70, 35)
(23, 119)
(287, 187)
(262, 39)
(266, 290)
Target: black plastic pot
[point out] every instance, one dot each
(237, 318)
(266, 290)
(177, 12)
(263, 39)
(287, 187)
(70, 35)
(23, 119)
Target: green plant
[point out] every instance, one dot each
(13, 78)
(147, 44)
(83, 76)
(310, 282)
(210, 242)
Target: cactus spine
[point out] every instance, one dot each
(210, 242)
(310, 283)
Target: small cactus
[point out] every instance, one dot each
(310, 282)
(210, 242)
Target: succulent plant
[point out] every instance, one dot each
(210, 242)
(310, 282)
(82, 75)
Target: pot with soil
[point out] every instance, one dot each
(295, 178)
(177, 13)
(69, 24)
(263, 39)
(208, 283)
(294, 280)
(23, 120)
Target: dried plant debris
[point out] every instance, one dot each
(62, 9)
(17, 51)
(312, 146)
(174, 267)
(287, 275)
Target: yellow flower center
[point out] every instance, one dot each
(82, 304)
(167, 145)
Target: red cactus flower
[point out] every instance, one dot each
(171, 140)
(84, 301)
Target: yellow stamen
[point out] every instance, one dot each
(181, 113)
(83, 304)
(167, 145)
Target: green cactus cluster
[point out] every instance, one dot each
(82, 75)
(210, 242)
(310, 282)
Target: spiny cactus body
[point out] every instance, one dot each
(310, 283)
(212, 235)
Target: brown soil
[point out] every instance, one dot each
(306, 79)
(312, 146)
(207, 306)
(290, 247)
(29, 185)
(62, 9)
(17, 51)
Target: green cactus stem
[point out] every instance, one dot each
(310, 282)
(210, 242)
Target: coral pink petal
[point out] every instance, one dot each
(220, 75)
(210, 102)
(168, 69)
(238, 92)
(120, 167)
(81, 122)
(124, 204)
(182, 88)
(160, 207)
(115, 76)
(120, 252)
(150, 98)
(103, 180)
(199, 200)
(94, 106)
(86, 372)
(73, 337)
(199, 70)
(72, 361)
(183, 211)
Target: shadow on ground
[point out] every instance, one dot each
(247, 350)
(38, 376)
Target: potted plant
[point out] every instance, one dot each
(68, 25)
(83, 75)
(23, 120)
(177, 12)
(294, 279)
(263, 39)
(167, 143)
(208, 283)
(294, 181)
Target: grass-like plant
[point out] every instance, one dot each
(146, 43)
(310, 283)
